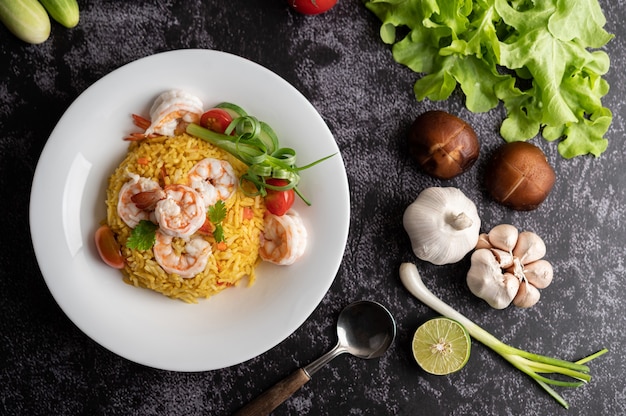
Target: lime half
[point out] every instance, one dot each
(441, 346)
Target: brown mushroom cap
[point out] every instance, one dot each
(442, 144)
(519, 176)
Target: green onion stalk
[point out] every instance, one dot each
(572, 374)
(255, 143)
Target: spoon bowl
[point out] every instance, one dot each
(365, 329)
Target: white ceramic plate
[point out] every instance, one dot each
(67, 203)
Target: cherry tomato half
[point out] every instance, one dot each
(216, 120)
(312, 6)
(108, 247)
(279, 202)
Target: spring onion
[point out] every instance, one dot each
(575, 373)
(255, 143)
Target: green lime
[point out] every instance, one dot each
(441, 346)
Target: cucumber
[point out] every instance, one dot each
(233, 109)
(63, 11)
(26, 19)
(268, 137)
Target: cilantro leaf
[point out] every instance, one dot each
(216, 214)
(143, 236)
(218, 233)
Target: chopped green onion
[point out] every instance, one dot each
(255, 143)
(529, 363)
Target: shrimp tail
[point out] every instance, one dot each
(141, 122)
(135, 137)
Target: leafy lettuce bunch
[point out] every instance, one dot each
(540, 58)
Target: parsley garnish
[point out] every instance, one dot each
(143, 236)
(216, 214)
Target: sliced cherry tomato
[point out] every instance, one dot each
(279, 202)
(312, 6)
(108, 247)
(216, 120)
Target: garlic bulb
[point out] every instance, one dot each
(488, 281)
(443, 225)
(507, 267)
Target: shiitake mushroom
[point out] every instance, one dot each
(519, 176)
(442, 144)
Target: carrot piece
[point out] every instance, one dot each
(248, 213)
(207, 228)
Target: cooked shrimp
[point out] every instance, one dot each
(188, 263)
(284, 238)
(214, 179)
(181, 212)
(170, 109)
(128, 211)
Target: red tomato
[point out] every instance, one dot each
(312, 6)
(216, 119)
(108, 247)
(279, 202)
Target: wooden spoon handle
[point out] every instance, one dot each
(277, 394)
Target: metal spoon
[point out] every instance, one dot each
(365, 329)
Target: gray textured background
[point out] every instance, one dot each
(47, 366)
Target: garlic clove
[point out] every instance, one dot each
(522, 270)
(527, 295)
(504, 258)
(516, 269)
(539, 273)
(510, 288)
(529, 248)
(486, 280)
(483, 241)
(503, 236)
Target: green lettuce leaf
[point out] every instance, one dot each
(582, 19)
(564, 102)
(535, 57)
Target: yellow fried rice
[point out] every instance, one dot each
(168, 160)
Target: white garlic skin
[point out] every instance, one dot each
(539, 273)
(527, 295)
(503, 254)
(503, 237)
(443, 225)
(529, 247)
(487, 280)
(483, 241)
